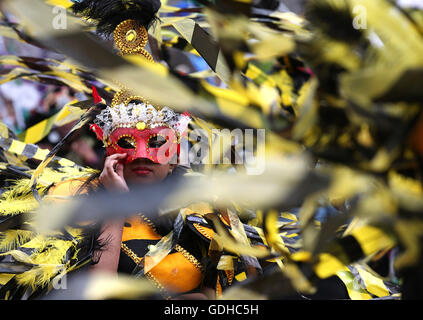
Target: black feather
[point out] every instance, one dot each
(109, 13)
(334, 18)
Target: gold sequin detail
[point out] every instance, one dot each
(230, 274)
(158, 285)
(148, 221)
(140, 125)
(125, 96)
(189, 257)
(120, 97)
(130, 37)
(202, 230)
(148, 275)
(130, 253)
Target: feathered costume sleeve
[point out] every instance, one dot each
(29, 260)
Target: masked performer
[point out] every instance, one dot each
(140, 140)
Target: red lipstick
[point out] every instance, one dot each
(141, 171)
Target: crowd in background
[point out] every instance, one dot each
(24, 103)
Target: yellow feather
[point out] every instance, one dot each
(49, 253)
(12, 239)
(49, 258)
(19, 197)
(38, 276)
(15, 206)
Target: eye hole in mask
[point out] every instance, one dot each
(136, 101)
(126, 143)
(156, 142)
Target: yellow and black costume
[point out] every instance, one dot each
(30, 261)
(189, 266)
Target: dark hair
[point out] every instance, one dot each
(90, 185)
(108, 14)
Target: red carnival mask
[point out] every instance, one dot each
(140, 131)
(157, 144)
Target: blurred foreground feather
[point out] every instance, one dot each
(102, 286)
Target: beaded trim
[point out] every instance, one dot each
(158, 285)
(202, 230)
(148, 275)
(130, 139)
(148, 222)
(130, 38)
(230, 274)
(130, 253)
(190, 258)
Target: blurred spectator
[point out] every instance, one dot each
(55, 99)
(7, 112)
(24, 97)
(82, 147)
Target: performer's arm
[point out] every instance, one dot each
(108, 257)
(112, 179)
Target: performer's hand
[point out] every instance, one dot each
(112, 175)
